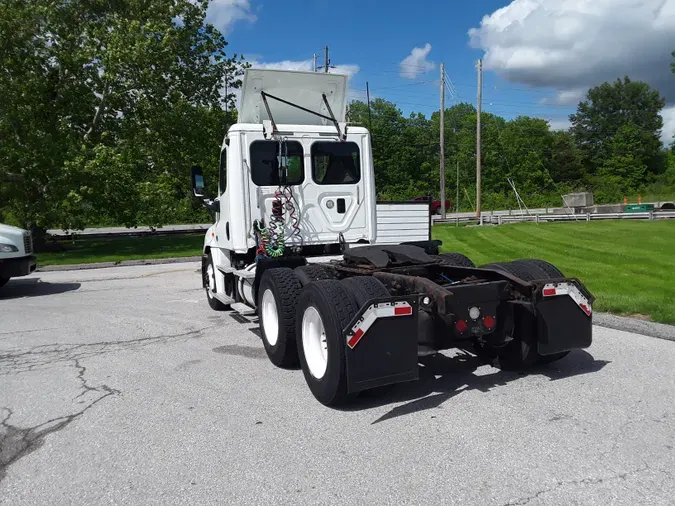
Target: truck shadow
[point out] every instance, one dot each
(443, 377)
(35, 287)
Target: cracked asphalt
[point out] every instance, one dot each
(121, 386)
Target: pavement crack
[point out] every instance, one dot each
(17, 442)
(586, 481)
(42, 356)
(105, 389)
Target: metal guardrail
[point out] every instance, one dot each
(98, 233)
(500, 219)
(464, 218)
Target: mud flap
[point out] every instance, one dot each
(381, 343)
(564, 317)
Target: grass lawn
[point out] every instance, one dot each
(123, 248)
(628, 265)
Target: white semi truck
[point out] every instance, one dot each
(16, 253)
(295, 243)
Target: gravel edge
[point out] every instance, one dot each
(626, 324)
(123, 263)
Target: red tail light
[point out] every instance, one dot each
(489, 322)
(461, 326)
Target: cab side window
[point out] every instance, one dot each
(222, 172)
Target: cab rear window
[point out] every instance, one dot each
(336, 163)
(265, 163)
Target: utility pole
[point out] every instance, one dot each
(478, 135)
(370, 119)
(315, 57)
(442, 128)
(457, 197)
(326, 60)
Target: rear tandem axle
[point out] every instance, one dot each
(362, 322)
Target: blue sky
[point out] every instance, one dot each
(540, 55)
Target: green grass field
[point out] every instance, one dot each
(123, 248)
(628, 265)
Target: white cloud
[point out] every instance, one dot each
(416, 62)
(567, 97)
(572, 45)
(668, 130)
(224, 13)
(559, 124)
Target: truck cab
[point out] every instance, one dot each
(16, 253)
(293, 177)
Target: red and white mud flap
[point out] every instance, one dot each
(375, 311)
(555, 289)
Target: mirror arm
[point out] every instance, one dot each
(212, 205)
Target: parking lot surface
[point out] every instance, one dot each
(121, 386)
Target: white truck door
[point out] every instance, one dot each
(335, 185)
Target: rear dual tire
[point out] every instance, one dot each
(277, 301)
(521, 352)
(324, 309)
(456, 259)
(303, 325)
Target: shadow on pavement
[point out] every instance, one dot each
(23, 288)
(443, 377)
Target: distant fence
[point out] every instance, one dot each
(499, 219)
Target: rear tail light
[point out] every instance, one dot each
(461, 326)
(489, 322)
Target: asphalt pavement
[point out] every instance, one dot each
(121, 386)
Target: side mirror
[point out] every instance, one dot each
(197, 181)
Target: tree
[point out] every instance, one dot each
(388, 131)
(607, 110)
(625, 170)
(566, 164)
(102, 105)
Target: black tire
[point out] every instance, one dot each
(210, 275)
(314, 272)
(329, 298)
(497, 266)
(522, 352)
(524, 271)
(284, 288)
(363, 288)
(551, 270)
(457, 259)
(3, 281)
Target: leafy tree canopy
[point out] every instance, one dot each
(104, 106)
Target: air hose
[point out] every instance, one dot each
(272, 240)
